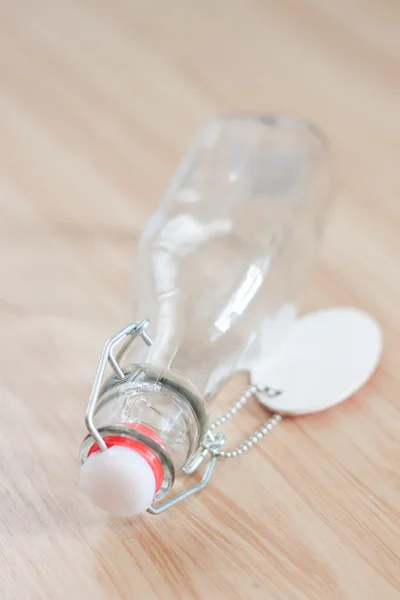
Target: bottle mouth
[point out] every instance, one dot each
(141, 448)
(144, 441)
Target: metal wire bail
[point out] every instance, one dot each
(213, 443)
(212, 448)
(132, 330)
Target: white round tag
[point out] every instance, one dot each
(326, 357)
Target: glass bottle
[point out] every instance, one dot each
(219, 269)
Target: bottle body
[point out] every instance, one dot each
(221, 262)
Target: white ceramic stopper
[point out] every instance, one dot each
(327, 356)
(119, 480)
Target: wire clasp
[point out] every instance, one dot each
(132, 330)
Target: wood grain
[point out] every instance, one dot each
(98, 100)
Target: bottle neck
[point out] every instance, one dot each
(152, 407)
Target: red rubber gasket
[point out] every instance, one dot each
(148, 454)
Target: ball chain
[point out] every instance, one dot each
(264, 430)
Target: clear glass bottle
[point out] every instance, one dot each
(219, 270)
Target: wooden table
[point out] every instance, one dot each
(98, 101)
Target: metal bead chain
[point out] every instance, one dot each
(264, 430)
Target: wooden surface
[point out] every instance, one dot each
(98, 101)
